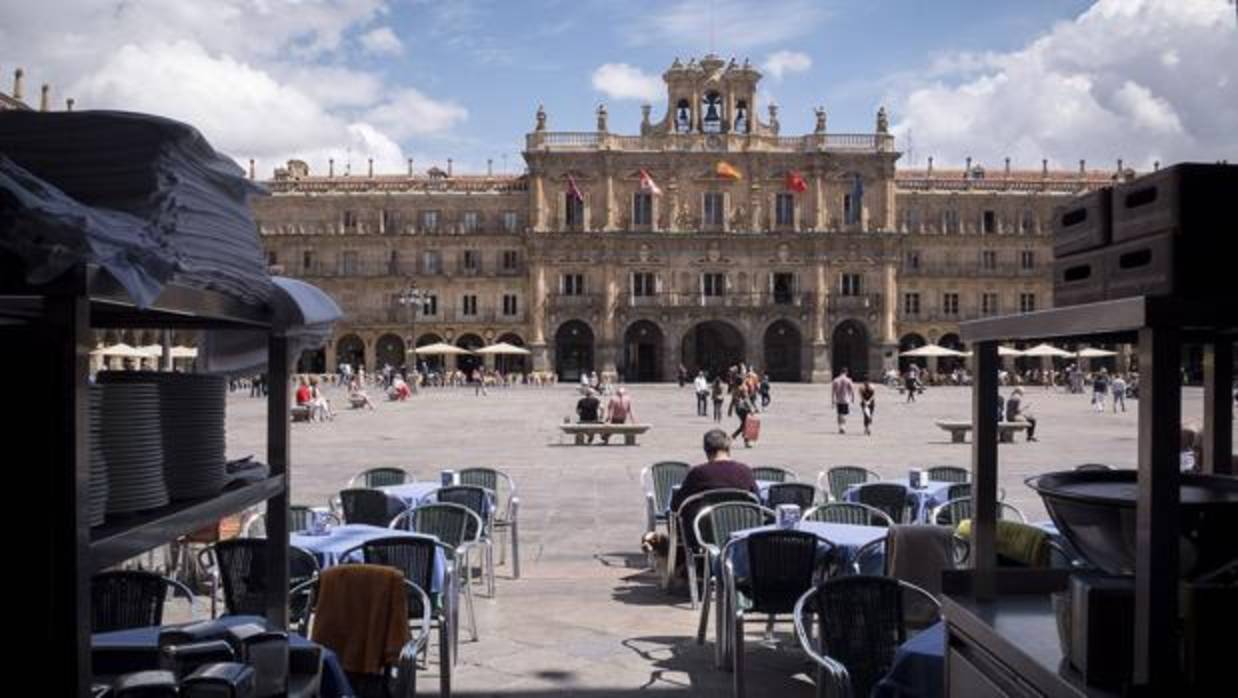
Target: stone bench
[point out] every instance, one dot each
(583, 431)
(300, 413)
(1005, 430)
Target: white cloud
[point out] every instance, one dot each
(622, 81)
(736, 23)
(382, 41)
(783, 62)
(412, 113)
(1141, 80)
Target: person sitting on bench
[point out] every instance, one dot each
(1016, 412)
(587, 409)
(619, 411)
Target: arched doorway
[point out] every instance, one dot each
(642, 352)
(712, 346)
(947, 364)
(429, 363)
(512, 363)
(573, 350)
(783, 345)
(468, 362)
(907, 343)
(350, 350)
(389, 351)
(312, 361)
(851, 349)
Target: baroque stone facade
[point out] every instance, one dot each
(798, 254)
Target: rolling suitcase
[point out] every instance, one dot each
(752, 428)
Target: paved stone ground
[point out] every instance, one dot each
(586, 618)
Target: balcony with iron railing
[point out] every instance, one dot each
(401, 317)
(561, 141)
(862, 302)
(676, 299)
(976, 270)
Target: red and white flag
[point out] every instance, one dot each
(795, 182)
(574, 190)
(647, 184)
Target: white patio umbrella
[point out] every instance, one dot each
(439, 349)
(504, 348)
(152, 350)
(931, 350)
(1091, 353)
(1001, 351)
(124, 351)
(1047, 350)
(184, 353)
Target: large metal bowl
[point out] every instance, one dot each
(1095, 510)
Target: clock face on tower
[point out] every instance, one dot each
(714, 142)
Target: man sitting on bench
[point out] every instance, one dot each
(619, 411)
(587, 409)
(1016, 412)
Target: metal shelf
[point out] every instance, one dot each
(1111, 320)
(117, 541)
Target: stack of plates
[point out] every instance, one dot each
(133, 448)
(98, 465)
(192, 410)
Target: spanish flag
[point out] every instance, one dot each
(795, 182)
(726, 171)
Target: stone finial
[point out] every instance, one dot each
(1044, 168)
(675, 65)
(45, 97)
(489, 167)
(602, 118)
(930, 166)
(967, 168)
(644, 114)
(410, 167)
(747, 63)
(733, 64)
(541, 118)
(1119, 166)
(820, 127)
(371, 169)
(17, 80)
(1083, 167)
(883, 121)
(331, 167)
(448, 167)
(1156, 165)
(1007, 167)
(68, 104)
(251, 169)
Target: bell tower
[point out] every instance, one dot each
(711, 96)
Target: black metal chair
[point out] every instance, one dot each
(682, 536)
(797, 493)
(239, 568)
(949, 473)
(122, 599)
(380, 477)
(300, 518)
(713, 527)
(507, 505)
(404, 684)
(658, 480)
(861, 623)
(782, 565)
(774, 473)
(852, 513)
(450, 524)
(369, 506)
(841, 477)
(890, 497)
(477, 500)
(414, 557)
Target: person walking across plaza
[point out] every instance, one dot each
(682, 375)
(910, 383)
(1100, 387)
(868, 405)
(1119, 392)
(741, 407)
(702, 393)
(717, 392)
(763, 388)
(843, 391)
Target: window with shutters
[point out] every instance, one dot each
(471, 221)
(348, 263)
(713, 284)
(988, 259)
(642, 209)
(573, 284)
(1029, 222)
(470, 261)
(510, 307)
(784, 210)
(391, 222)
(713, 208)
(1027, 302)
(510, 260)
(510, 221)
(950, 221)
(350, 221)
(911, 304)
(913, 260)
(950, 304)
(429, 221)
(574, 216)
(272, 258)
(783, 288)
(989, 222)
(468, 305)
(988, 304)
(644, 285)
(307, 262)
(432, 262)
(850, 284)
(429, 304)
(1027, 259)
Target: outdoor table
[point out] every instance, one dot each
(334, 547)
(334, 681)
(922, 500)
(919, 665)
(846, 538)
(414, 494)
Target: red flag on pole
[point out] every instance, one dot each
(795, 182)
(574, 190)
(647, 184)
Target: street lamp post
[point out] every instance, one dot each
(412, 297)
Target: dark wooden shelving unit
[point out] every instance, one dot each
(45, 340)
(1005, 619)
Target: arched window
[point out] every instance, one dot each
(711, 104)
(683, 117)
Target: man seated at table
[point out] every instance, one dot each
(717, 472)
(588, 409)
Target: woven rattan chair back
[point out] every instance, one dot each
(797, 493)
(470, 497)
(956, 510)
(412, 556)
(450, 523)
(381, 477)
(889, 497)
(852, 513)
(860, 623)
(844, 476)
(958, 491)
(949, 473)
(715, 524)
(366, 506)
(124, 599)
(781, 563)
(498, 482)
(664, 476)
(242, 567)
(773, 473)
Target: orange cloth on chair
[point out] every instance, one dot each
(362, 614)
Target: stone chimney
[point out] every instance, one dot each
(1044, 168)
(448, 167)
(331, 167)
(1156, 165)
(17, 86)
(371, 168)
(251, 169)
(410, 167)
(967, 169)
(1119, 167)
(930, 166)
(45, 97)
(602, 127)
(644, 114)
(1007, 168)
(489, 167)
(68, 104)
(1083, 167)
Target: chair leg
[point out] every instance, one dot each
(668, 575)
(721, 625)
(468, 600)
(690, 558)
(514, 533)
(700, 628)
(488, 570)
(737, 656)
(444, 657)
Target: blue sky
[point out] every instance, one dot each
(1143, 80)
